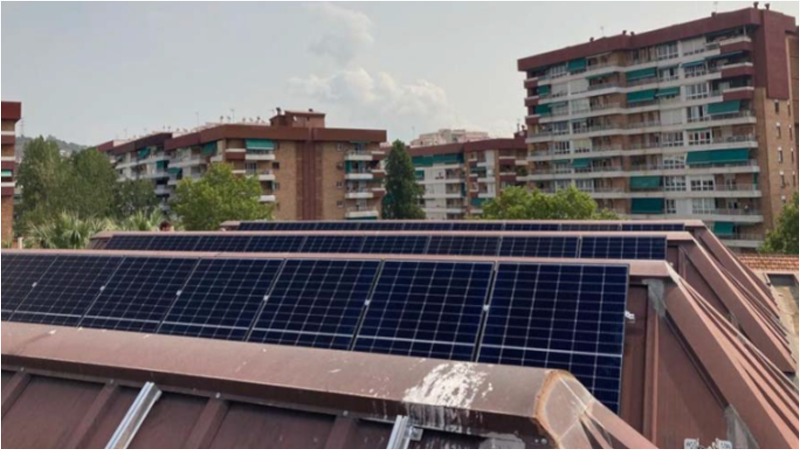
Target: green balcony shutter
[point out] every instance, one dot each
(542, 110)
(718, 157)
(731, 107)
(669, 92)
(582, 163)
(544, 90)
(642, 96)
(175, 171)
(647, 206)
(645, 183)
(477, 202)
(7, 174)
(577, 65)
(259, 144)
(725, 56)
(144, 153)
(724, 229)
(694, 64)
(420, 174)
(162, 165)
(601, 75)
(210, 149)
(641, 74)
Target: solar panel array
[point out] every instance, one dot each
(542, 315)
(620, 247)
(455, 226)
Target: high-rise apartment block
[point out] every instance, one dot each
(11, 114)
(459, 178)
(694, 121)
(448, 136)
(309, 171)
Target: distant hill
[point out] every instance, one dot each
(65, 147)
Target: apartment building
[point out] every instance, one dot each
(459, 178)
(309, 171)
(693, 121)
(448, 136)
(11, 114)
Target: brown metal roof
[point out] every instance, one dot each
(70, 388)
(771, 263)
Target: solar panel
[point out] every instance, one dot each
(66, 290)
(275, 244)
(232, 244)
(426, 309)
(464, 245)
(296, 226)
(333, 244)
(336, 226)
(221, 299)
(258, 226)
(428, 226)
(653, 227)
(172, 243)
(590, 227)
(478, 226)
(139, 295)
(130, 242)
(379, 226)
(19, 275)
(640, 248)
(539, 247)
(560, 317)
(316, 304)
(530, 227)
(395, 245)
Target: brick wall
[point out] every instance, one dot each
(8, 219)
(288, 180)
(331, 175)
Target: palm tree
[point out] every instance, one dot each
(143, 221)
(67, 231)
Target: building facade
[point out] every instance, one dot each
(11, 114)
(309, 171)
(694, 121)
(459, 178)
(448, 136)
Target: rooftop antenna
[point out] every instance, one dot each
(197, 117)
(716, 7)
(603, 30)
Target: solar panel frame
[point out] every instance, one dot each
(426, 309)
(154, 283)
(66, 290)
(276, 244)
(333, 244)
(560, 316)
(174, 243)
(396, 245)
(221, 298)
(130, 242)
(316, 303)
(231, 243)
(464, 245)
(623, 247)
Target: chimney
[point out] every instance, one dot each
(767, 5)
(755, 5)
(591, 39)
(279, 110)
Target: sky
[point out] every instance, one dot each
(93, 72)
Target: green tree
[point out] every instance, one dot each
(134, 197)
(41, 176)
(402, 191)
(93, 184)
(66, 231)
(142, 220)
(219, 196)
(783, 239)
(517, 203)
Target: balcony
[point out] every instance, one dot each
(251, 155)
(180, 163)
(359, 194)
(366, 175)
(361, 213)
(267, 199)
(262, 175)
(360, 155)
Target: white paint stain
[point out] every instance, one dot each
(449, 385)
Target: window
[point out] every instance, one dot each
(251, 168)
(675, 184)
(777, 107)
(701, 137)
(703, 206)
(778, 128)
(583, 146)
(585, 185)
(697, 114)
(697, 91)
(780, 155)
(694, 46)
(783, 181)
(674, 139)
(668, 74)
(557, 71)
(276, 186)
(672, 117)
(671, 206)
(667, 51)
(340, 204)
(674, 162)
(339, 185)
(578, 86)
(560, 128)
(702, 184)
(560, 185)
(695, 71)
(559, 90)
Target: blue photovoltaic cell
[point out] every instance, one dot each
(539, 247)
(639, 248)
(531, 227)
(333, 244)
(335, 226)
(468, 225)
(560, 317)
(221, 299)
(275, 244)
(229, 244)
(66, 290)
(19, 275)
(258, 226)
(654, 227)
(426, 309)
(296, 226)
(427, 226)
(463, 245)
(172, 243)
(130, 243)
(395, 245)
(139, 294)
(377, 226)
(316, 304)
(590, 227)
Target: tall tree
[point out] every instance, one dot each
(135, 197)
(402, 191)
(784, 238)
(218, 197)
(93, 184)
(517, 203)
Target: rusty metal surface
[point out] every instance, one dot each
(295, 394)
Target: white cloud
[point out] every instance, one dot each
(349, 33)
(380, 99)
